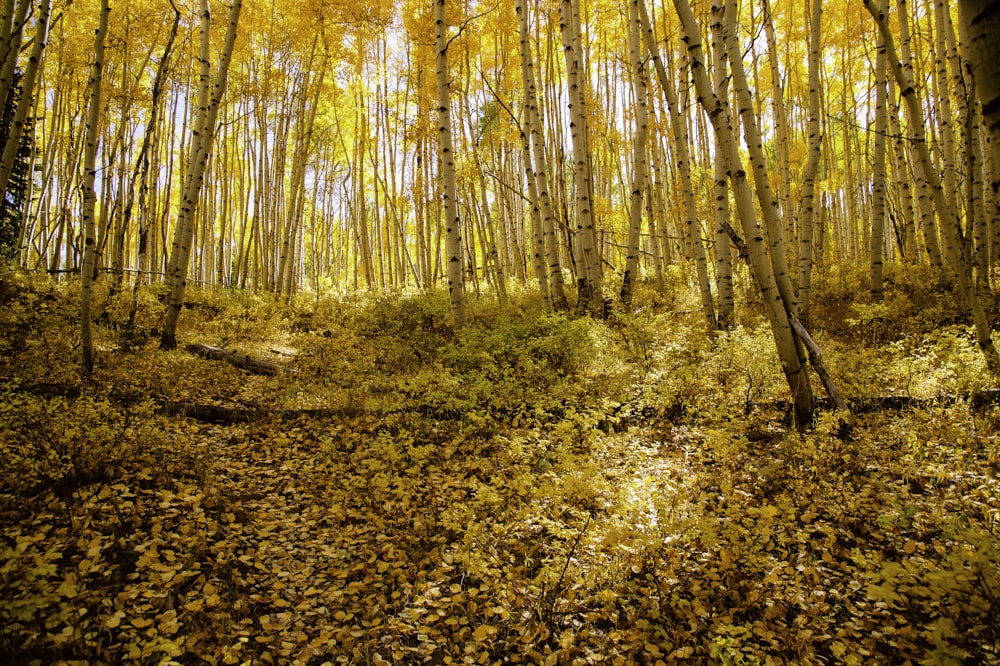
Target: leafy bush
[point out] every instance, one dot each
(63, 444)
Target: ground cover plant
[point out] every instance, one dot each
(534, 488)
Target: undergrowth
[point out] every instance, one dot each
(535, 488)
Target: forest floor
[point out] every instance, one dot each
(536, 488)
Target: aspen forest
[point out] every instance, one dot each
(552, 332)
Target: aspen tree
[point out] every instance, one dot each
(720, 209)
(24, 104)
(757, 249)
(814, 154)
(539, 162)
(900, 175)
(456, 281)
(925, 205)
(942, 106)
(639, 186)
(767, 200)
(89, 195)
(538, 259)
(780, 119)
(979, 30)
(878, 175)
(201, 145)
(12, 27)
(956, 251)
(590, 290)
(682, 161)
(140, 176)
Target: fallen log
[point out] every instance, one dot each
(243, 361)
(223, 415)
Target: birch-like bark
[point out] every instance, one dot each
(24, 104)
(590, 289)
(11, 36)
(201, 145)
(639, 86)
(453, 238)
(901, 177)
(878, 176)
(957, 256)
(780, 123)
(140, 177)
(815, 152)
(89, 195)
(540, 170)
(925, 205)
(755, 149)
(682, 162)
(979, 30)
(760, 263)
(720, 208)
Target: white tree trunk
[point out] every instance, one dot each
(88, 193)
(453, 238)
(201, 145)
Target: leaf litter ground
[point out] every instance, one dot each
(441, 524)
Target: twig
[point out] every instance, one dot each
(569, 557)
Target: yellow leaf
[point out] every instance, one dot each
(68, 587)
(838, 649)
(483, 632)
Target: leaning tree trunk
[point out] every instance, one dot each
(682, 161)
(755, 149)
(955, 245)
(951, 230)
(24, 104)
(89, 194)
(140, 176)
(201, 144)
(453, 238)
(760, 263)
(11, 35)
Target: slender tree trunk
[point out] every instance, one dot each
(640, 86)
(11, 36)
(721, 213)
(24, 104)
(878, 176)
(682, 161)
(780, 123)
(765, 195)
(89, 194)
(201, 145)
(815, 153)
(456, 279)
(979, 28)
(589, 279)
(539, 161)
(901, 177)
(140, 177)
(949, 220)
(760, 262)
